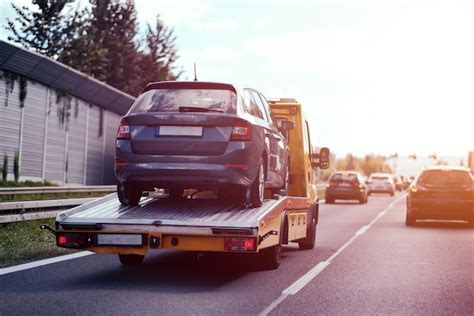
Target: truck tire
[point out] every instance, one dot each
(128, 194)
(130, 260)
(309, 242)
(270, 258)
(410, 220)
(257, 190)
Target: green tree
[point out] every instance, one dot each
(47, 30)
(100, 40)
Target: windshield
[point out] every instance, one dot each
(445, 177)
(344, 178)
(185, 100)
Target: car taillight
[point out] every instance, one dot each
(240, 243)
(123, 130)
(242, 131)
(331, 184)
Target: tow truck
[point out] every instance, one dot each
(202, 223)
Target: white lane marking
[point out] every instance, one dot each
(44, 262)
(362, 230)
(318, 268)
(301, 282)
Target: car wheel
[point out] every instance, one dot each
(175, 193)
(410, 220)
(329, 200)
(284, 188)
(257, 190)
(129, 194)
(362, 200)
(130, 260)
(392, 193)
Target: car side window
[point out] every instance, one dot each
(260, 105)
(250, 105)
(270, 116)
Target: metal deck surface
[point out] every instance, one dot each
(182, 212)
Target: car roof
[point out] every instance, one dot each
(446, 168)
(190, 85)
(346, 172)
(378, 174)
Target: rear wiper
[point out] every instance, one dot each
(197, 109)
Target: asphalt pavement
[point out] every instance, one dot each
(366, 262)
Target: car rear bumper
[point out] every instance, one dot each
(344, 194)
(195, 175)
(442, 209)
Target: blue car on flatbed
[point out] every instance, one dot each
(203, 136)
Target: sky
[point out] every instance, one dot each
(379, 77)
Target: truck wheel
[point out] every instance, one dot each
(128, 194)
(309, 242)
(270, 258)
(410, 220)
(257, 190)
(131, 260)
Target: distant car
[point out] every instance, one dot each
(441, 192)
(346, 185)
(203, 136)
(399, 186)
(381, 183)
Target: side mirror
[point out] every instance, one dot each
(286, 125)
(321, 160)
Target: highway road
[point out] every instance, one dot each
(366, 262)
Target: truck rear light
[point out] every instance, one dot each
(74, 240)
(242, 131)
(123, 130)
(240, 243)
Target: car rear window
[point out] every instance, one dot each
(185, 100)
(338, 177)
(379, 178)
(445, 177)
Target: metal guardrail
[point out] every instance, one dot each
(19, 205)
(66, 189)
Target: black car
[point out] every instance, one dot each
(203, 136)
(443, 193)
(346, 185)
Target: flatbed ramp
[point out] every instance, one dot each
(175, 212)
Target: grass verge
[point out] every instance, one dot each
(24, 242)
(50, 196)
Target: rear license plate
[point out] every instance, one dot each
(344, 185)
(119, 240)
(166, 130)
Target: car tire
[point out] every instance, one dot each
(130, 260)
(129, 194)
(362, 200)
(392, 193)
(175, 192)
(257, 189)
(410, 220)
(329, 200)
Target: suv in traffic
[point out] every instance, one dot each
(381, 183)
(346, 185)
(441, 192)
(203, 136)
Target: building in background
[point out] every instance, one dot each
(58, 122)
